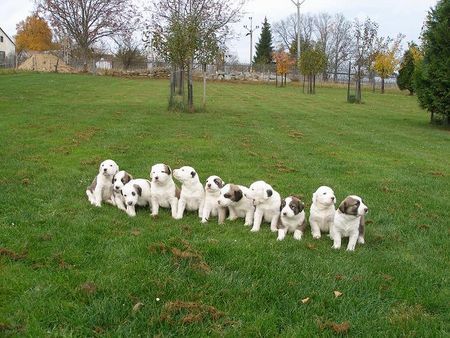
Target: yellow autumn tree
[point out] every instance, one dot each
(387, 60)
(33, 34)
(284, 62)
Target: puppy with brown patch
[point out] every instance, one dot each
(136, 193)
(119, 180)
(163, 189)
(292, 218)
(101, 189)
(349, 222)
(192, 195)
(322, 211)
(267, 203)
(211, 206)
(232, 196)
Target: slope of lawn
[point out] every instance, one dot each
(69, 269)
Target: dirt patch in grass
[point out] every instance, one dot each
(296, 134)
(281, 167)
(12, 255)
(189, 312)
(402, 314)
(92, 161)
(182, 251)
(339, 328)
(88, 288)
(7, 329)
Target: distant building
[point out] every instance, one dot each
(7, 50)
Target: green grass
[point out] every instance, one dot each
(79, 270)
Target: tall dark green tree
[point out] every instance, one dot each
(405, 78)
(432, 77)
(264, 48)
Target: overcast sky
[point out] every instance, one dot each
(393, 16)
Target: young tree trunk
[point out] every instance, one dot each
(314, 83)
(358, 85)
(285, 79)
(303, 84)
(204, 85)
(190, 88)
(382, 85)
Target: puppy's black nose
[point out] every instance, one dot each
(130, 203)
(218, 202)
(117, 188)
(209, 185)
(284, 214)
(366, 209)
(156, 177)
(105, 170)
(332, 198)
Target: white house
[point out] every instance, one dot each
(7, 50)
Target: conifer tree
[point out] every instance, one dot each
(264, 48)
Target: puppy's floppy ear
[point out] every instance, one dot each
(238, 195)
(283, 204)
(269, 192)
(343, 206)
(168, 170)
(193, 173)
(138, 189)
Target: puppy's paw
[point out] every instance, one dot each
(204, 220)
(279, 238)
(98, 205)
(247, 224)
(316, 236)
(254, 230)
(273, 229)
(337, 247)
(297, 236)
(351, 248)
(361, 240)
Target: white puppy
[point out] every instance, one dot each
(292, 218)
(267, 205)
(232, 196)
(136, 193)
(101, 188)
(164, 191)
(119, 180)
(322, 211)
(192, 194)
(211, 206)
(349, 222)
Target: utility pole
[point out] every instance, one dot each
(298, 3)
(250, 32)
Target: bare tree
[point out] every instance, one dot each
(285, 31)
(340, 43)
(89, 21)
(365, 34)
(182, 31)
(323, 28)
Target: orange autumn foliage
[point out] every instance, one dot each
(33, 34)
(283, 61)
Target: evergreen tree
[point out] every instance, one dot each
(432, 76)
(405, 79)
(264, 48)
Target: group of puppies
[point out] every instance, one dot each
(257, 203)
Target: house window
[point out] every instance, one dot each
(1, 38)
(2, 57)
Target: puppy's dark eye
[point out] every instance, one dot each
(324, 193)
(110, 165)
(227, 195)
(133, 193)
(124, 195)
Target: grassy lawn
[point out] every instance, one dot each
(69, 269)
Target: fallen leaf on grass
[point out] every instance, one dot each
(305, 300)
(339, 277)
(423, 226)
(337, 294)
(88, 288)
(135, 232)
(137, 306)
(311, 246)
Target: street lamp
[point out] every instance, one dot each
(298, 3)
(250, 32)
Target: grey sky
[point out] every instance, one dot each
(401, 16)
